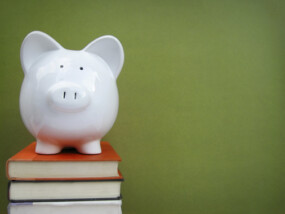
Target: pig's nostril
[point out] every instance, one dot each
(65, 94)
(68, 98)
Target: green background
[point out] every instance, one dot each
(201, 122)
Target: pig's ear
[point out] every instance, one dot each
(35, 44)
(110, 50)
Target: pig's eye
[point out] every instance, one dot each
(61, 66)
(81, 68)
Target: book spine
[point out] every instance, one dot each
(7, 170)
(8, 190)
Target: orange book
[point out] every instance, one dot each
(67, 165)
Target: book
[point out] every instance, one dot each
(67, 165)
(76, 207)
(23, 191)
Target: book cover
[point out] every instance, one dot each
(67, 165)
(74, 207)
(64, 190)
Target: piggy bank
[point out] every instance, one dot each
(69, 98)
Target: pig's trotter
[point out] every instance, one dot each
(92, 147)
(47, 148)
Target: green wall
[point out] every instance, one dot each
(202, 101)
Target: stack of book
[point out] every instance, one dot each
(68, 182)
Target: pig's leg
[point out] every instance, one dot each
(92, 147)
(47, 148)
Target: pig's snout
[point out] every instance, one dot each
(68, 97)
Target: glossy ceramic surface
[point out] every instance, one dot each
(69, 98)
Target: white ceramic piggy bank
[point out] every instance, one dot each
(69, 98)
